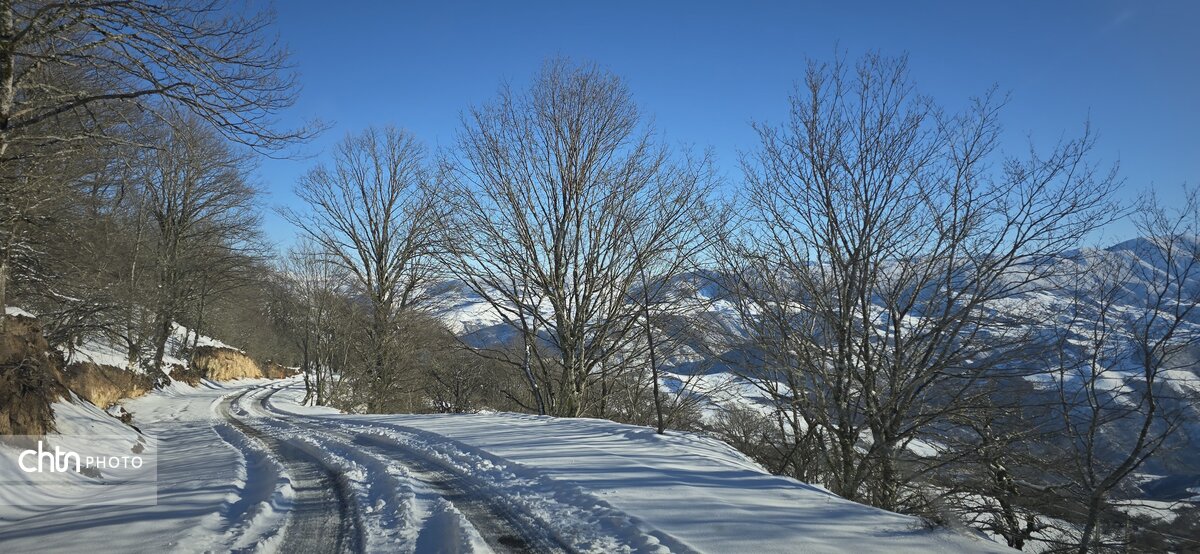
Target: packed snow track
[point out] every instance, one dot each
(323, 517)
(325, 505)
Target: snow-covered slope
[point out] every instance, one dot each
(703, 305)
(690, 493)
(589, 485)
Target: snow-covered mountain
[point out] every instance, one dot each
(1081, 276)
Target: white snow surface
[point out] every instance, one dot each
(203, 488)
(15, 311)
(690, 493)
(594, 485)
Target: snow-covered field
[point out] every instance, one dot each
(231, 477)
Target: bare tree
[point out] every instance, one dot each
(373, 214)
(53, 210)
(674, 246)
(878, 241)
(555, 186)
(33, 191)
(68, 70)
(991, 467)
(317, 286)
(1131, 326)
(220, 270)
(204, 211)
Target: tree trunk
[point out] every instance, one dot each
(651, 351)
(162, 333)
(3, 289)
(533, 385)
(8, 95)
(133, 352)
(569, 404)
(1089, 528)
(304, 369)
(199, 316)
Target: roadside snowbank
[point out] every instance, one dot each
(685, 492)
(214, 495)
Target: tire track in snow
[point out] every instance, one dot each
(568, 515)
(255, 514)
(504, 530)
(324, 516)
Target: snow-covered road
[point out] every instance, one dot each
(445, 495)
(245, 467)
(323, 516)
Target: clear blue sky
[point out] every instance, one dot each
(705, 70)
